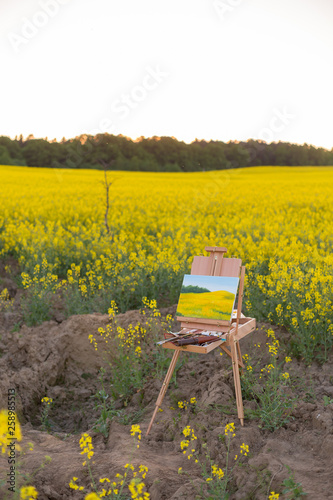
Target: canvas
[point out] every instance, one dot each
(208, 297)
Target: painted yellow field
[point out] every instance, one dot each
(212, 305)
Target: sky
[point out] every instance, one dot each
(212, 283)
(192, 69)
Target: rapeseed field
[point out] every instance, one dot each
(277, 219)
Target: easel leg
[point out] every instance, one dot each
(238, 389)
(164, 388)
(239, 357)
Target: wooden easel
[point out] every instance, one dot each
(232, 331)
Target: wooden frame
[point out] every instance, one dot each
(231, 331)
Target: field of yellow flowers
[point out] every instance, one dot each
(277, 219)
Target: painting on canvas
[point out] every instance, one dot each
(209, 297)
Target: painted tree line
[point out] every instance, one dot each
(155, 154)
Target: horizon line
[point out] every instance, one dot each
(140, 138)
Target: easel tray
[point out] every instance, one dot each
(194, 348)
(245, 326)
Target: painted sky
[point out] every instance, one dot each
(207, 69)
(212, 283)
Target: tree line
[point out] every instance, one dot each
(194, 289)
(155, 154)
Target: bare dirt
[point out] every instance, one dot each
(57, 360)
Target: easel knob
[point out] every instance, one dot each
(216, 249)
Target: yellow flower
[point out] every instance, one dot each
(270, 333)
(182, 404)
(184, 444)
(74, 486)
(273, 496)
(272, 349)
(92, 496)
(9, 429)
(285, 375)
(229, 430)
(244, 449)
(135, 429)
(216, 471)
(188, 431)
(136, 490)
(28, 493)
(279, 310)
(86, 446)
(137, 352)
(47, 400)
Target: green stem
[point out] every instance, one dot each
(225, 482)
(91, 476)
